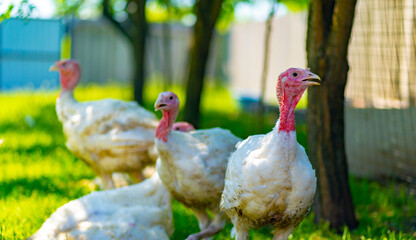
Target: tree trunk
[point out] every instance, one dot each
(262, 107)
(139, 34)
(135, 30)
(207, 12)
(167, 47)
(329, 29)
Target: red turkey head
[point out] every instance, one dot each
(167, 101)
(69, 73)
(294, 81)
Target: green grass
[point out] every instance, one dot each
(38, 174)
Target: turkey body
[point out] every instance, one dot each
(108, 135)
(141, 211)
(269, 180)
(192, 165)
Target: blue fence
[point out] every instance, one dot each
(27, 49)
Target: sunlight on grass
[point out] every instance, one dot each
(38, 174)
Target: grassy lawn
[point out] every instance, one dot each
(38, 174)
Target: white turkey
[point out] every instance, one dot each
(136, 212)
(269, 179)
(108, 135)
(122, 179)
(192, 165)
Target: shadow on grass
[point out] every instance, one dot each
(187, 224)
(184, 221)
(38, 149)
(26, 187)
(384, 207)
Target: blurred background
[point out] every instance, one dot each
(377, 97)
(252, 43)
(77, 29)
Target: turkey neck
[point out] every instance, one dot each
(68, 82)
(165, 124)
(66, 94)
(287, 112)
(65, 104)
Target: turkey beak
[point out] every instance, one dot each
(309, 77)
(53, 68)
(159, 105)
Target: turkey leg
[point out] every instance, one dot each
(107, 180)
(216, 225)
(282, 234)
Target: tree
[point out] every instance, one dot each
(135, 30)
(167, 46)
(20, 10)
(132, 25)
(329, 29)
(207, 12)
(265, 67)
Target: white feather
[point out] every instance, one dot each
(193, 164)
(268, 173)
(141, 211)
(110, 135)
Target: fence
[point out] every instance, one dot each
(102, 51)
(381, 91)
(106, 55)
(27, 50)
(287, 49)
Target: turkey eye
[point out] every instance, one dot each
(177, 128)
(170, 98)
(294, 74)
